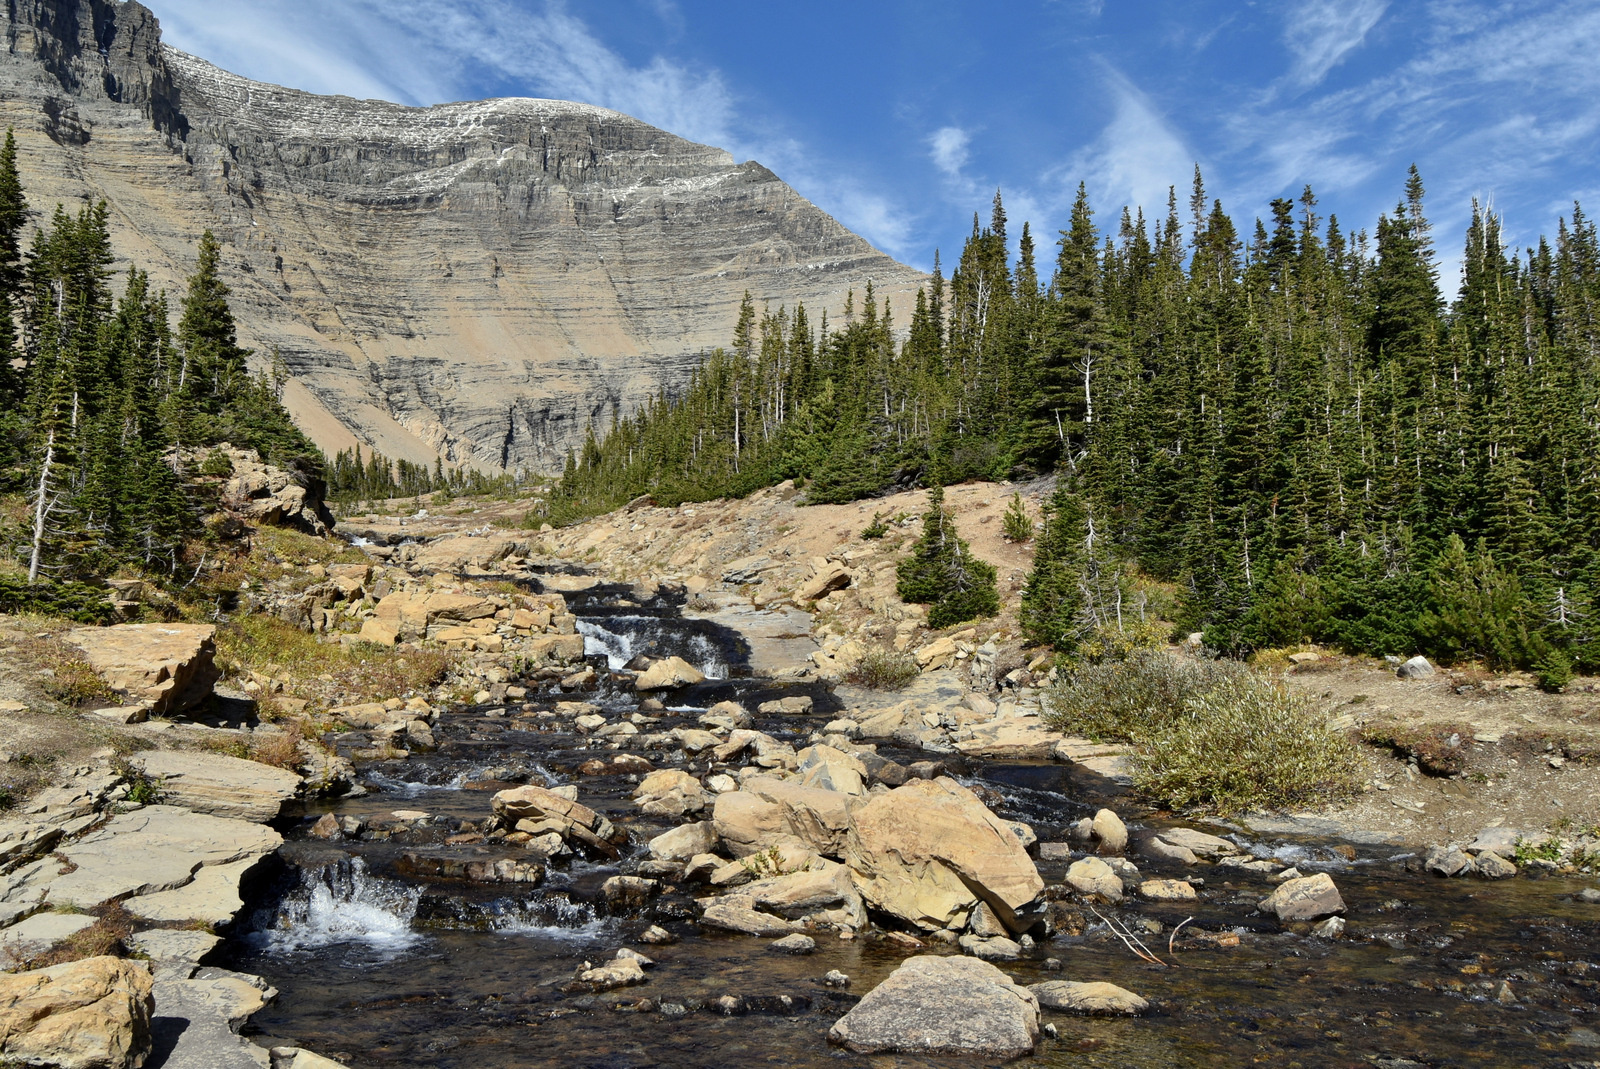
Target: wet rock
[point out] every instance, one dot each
(1055, 851)
(668, 672)
(1093, 999)
(327, 827)
(994, 948)
(984, 924)
(1308, 899)
(798, 943)
(684, 842)
(1419, 667)
(655, 935)
(89, 1014)
(942, 1005)
(164, 667)
(930, 851)
(628, 892)
(1590, 895)
(220, 785)
(824, 889)
(731, 916)
(1167, 891)
(536, 811)
(1332, 928)
(1109, 832)
(835, 978)
(793, 705)
(1200, 843)
(1447, 861)
(1092, 876)
(619, 972)
(1491, 866)
(1157, 847)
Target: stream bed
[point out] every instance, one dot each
(379, 966)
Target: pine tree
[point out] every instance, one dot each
(943, 574)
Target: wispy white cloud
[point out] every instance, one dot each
(1137, 156)
(948, 146)
(1320, 33)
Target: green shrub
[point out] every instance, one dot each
(216, 464)
(1208, 734)
(1016, 525)
(876, 529)
(1554, 670)
(884, 669)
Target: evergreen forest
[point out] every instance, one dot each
(1289, 424)
(101, 400)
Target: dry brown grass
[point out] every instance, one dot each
(61, 670)
(279, 749)
(107, 936)
(327, 673)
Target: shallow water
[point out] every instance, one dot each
(381, 970)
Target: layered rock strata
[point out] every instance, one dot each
(474, 280)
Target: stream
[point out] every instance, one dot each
(378, 965)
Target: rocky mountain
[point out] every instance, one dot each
(473, 280)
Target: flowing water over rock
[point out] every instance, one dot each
(387, 955)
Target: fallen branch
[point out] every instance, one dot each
(1170, 949)
(1129, 940)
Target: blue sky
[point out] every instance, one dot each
(902, 118)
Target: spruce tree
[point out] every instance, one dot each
(943, 574)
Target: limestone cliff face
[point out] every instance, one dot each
(476, 280)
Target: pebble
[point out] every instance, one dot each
(835, 978)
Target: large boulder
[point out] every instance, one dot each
(670, 792)
(819, 818)
(275, 497)
(929, 851)
(164, 667)
(828, 769)
(89, 1014)
(668, 672)
(684, 842)
(536, 810)
(942, 1005)
(1308, 898)
(747, 823)
(220, 785)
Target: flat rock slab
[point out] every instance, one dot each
(39, 933)
(195, 1019)
(942, 1005)
(156, 848)
(212, 897)
(172, 945)
(221, 786)
(168, 667)
(1093, 999)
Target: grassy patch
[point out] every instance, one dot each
(107, 936)
(1439, 749)
(62, 671)
(326, 673)
(1208, 734)
(884, 669)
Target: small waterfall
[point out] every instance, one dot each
(622, 638)
(340, 903)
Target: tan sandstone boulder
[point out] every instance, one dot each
(167, 667)
(668, 672)
(89, 1014)
(929, 851)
